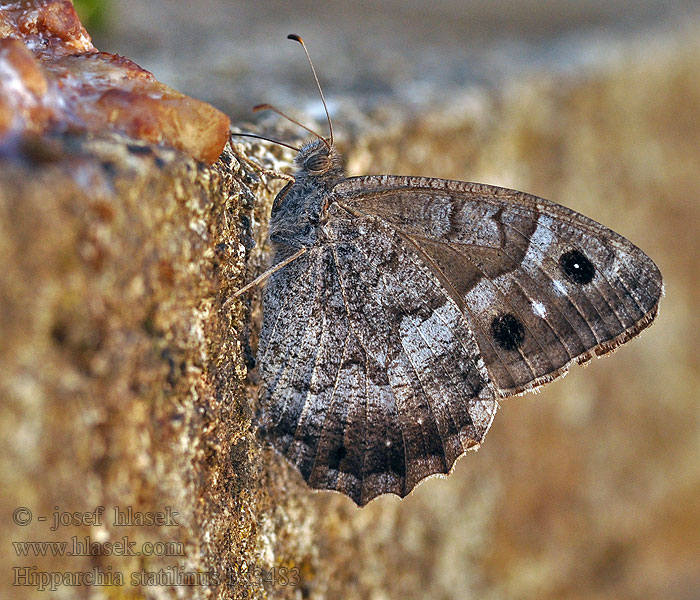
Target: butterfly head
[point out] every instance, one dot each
(319, 159)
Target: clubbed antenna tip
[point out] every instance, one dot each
(297, 38)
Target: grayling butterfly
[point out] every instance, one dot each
(399, 310)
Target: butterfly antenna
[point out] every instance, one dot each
(267, 139)
(296, 38)
(260, 107)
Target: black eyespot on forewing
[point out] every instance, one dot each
(577, 267)
(508, 331)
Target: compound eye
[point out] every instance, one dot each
(317, 162)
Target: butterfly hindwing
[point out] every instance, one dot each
(374, 377)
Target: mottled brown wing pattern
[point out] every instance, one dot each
(398, 310)
(385, 347)
(374, 379)
(539, 285)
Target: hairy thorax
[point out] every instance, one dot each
(301, 207)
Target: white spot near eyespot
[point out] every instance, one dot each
(539, 309)
(387, 443)
(542, 238)
(482, 297)
(559, 288)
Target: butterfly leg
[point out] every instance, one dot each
(268, 172)
(271, 271)
(324, 209)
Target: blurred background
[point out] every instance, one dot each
(590, 489)
(235, 53)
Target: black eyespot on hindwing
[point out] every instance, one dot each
(577, 267)
(508, 331)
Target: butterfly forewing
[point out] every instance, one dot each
(539, 285)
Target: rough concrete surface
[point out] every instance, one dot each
(124, 379)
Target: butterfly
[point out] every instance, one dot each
(399, 311)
